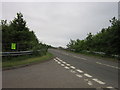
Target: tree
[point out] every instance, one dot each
(107, 40)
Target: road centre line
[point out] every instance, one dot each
(72, 67)
(87, 75)
(90, 83)
(73, 70)
(98, 81)
(66, 67)
(107, 65)
(59, 62)
(58, 59)
(68, 64)
(78, 75)
(62, 65)
(109, 87)
(79, 70)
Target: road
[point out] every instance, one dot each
(103, 72)
(66, 70)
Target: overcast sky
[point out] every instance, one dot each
(56, 23)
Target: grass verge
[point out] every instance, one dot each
(26, 60)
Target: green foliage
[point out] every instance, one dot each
(40, 49)
(107, 40)
(18, 32)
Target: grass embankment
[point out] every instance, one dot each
(24, 60)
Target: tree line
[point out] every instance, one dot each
(16, 31)
(107, 40)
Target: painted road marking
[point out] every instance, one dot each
(64, 62)
(90, 83)
(62, 65)
(72, 67)
(59, 62)
(109, 87)
(98, 81)
(54, 59)
(59, 59)
(67, 67)
(68, 64)
(72, 71)
(79, 70)
(107, 65)
(87, 75)
(78, 75)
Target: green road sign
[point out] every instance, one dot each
(13, 45)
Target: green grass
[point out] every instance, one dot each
(18, 61)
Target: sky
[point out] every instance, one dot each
(55, 23)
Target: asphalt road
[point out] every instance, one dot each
(47, 74)
(66, 70)
(102, 72)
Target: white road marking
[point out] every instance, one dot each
(59, 62)
(78, 75)
(98, 81)
(109, 87)
(67, 67)
(87, 75)
(72, 67)
(54, 59)
(72, 71)
(57, 58)
(90, 83)
(107, 65)
(64, 62)
(79, 70)
(62, 65)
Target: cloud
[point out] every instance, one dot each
(56, 23)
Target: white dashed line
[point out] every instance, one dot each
(59, 62)
(64, 62)
(98, 81)
(72, 71)
(72, 67)
(62, 65)
(78, 75)
(54, 59)
(58, 58)
(87, 75)
(109, 87)
(79, 71)
(90, 83)
(68, 64)
(67, 67)
(107, 65)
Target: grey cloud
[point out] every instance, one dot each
(57, 23)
